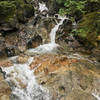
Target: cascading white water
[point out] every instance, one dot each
(42, 7)
(22, 79)
(54, 30)
(23, 83)
(50, 47)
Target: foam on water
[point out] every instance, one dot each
(42, 7)
(54, 30)
(20, 75)
(42, 49)
(50, 47)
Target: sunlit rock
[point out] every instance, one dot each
(22, 59)
(5, 90)
(5, 63)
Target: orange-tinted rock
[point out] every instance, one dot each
(61, 75)
(50, 63)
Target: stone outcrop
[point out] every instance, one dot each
(13, 14)
(63, 76)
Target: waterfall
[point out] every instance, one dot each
(22, 79)
(43, 7)
(50, 47)
(54, 30)
(23, 83)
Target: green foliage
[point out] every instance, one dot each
(83, 6)
(91, 22)
(11, 10)
(71, 6)
(60, 1)
(87, 12)
(89, 27)
(62, 11)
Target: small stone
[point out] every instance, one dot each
(22, 59)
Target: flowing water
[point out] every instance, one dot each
(21, 78)
(42, 7)
(23, 83)
(54, 30)
(50, 47)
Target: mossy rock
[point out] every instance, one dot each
(7, 12)
(89, 28)
(13, 12)
(24, 12)
(28, 10)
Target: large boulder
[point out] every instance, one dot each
(64, 30)
(67, 75)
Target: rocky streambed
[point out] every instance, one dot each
(40, 60)
(66, 77)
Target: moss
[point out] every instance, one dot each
(7, 11)
(11, 10)
(18, 3)
(25, 11)
(28, 10)
(20, 16)
(90, 27)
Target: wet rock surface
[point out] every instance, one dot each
(5, 90)
(66, 76)
(63, 76)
